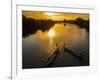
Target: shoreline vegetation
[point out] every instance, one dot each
(30, 25)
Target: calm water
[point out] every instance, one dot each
(36, 47)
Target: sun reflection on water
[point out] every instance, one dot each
(51, 33)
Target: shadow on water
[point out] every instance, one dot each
(73, 53)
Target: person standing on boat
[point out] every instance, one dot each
(64, 45)
(57, 51)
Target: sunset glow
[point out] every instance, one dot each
(55, 39)
(50, 13)
(54, 15)
(51, 33)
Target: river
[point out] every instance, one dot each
(36, 47)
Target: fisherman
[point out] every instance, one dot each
(57, 51)
(57, 45)
(64, 45)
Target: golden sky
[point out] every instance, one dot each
(54, 15)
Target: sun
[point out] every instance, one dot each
(50, 13)
(51, 33)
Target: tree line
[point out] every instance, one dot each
(30, 25)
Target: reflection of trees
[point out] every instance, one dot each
(80, 22)
(30, 25)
